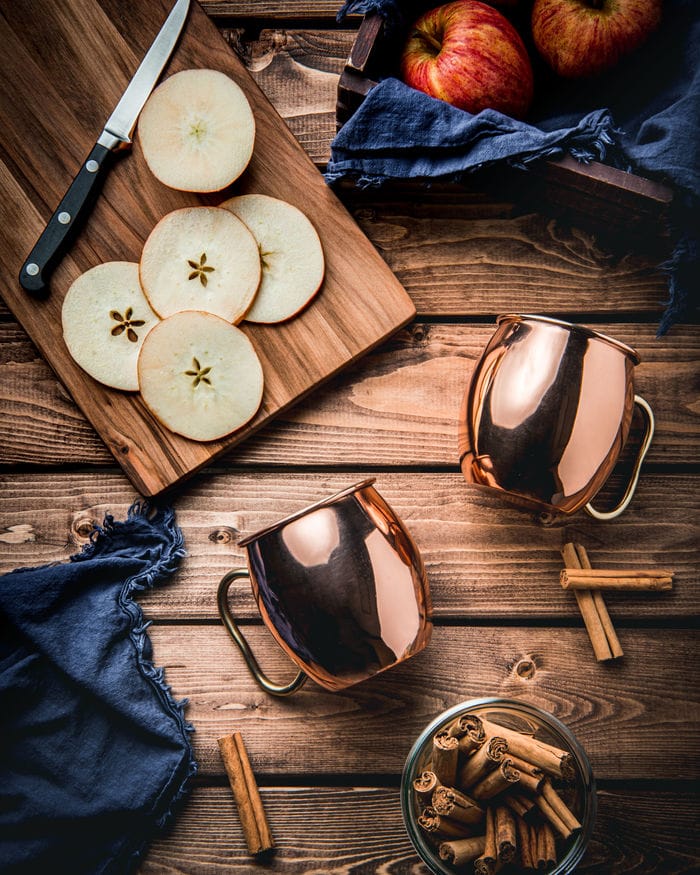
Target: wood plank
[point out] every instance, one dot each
(397, 406)
(267, 9)
(642, 703)
(485, 559)
(345, 320)
(350, 829)
(454, 262)
(298, 70)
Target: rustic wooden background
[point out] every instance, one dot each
(329, 764)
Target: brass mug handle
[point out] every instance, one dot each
(632, 485)
(235, 633)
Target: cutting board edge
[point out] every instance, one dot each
(234, 441)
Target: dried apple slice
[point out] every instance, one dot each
(290, 252)
(105, 317)
(200, 376)
(200, 258)
(197, 131)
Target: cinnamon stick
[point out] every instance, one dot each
(482, 761)
(245, 791)
(593, 610)
(468, 728)
(455, 805)
(425, 785)
(620, 579)
(532, 828)
(561, 808)
(528, 768)
(506, 841)
(519, 803)
(459, 852)
(553, 817)
(437, 825)
(445, 754)
(525, 850)
(486, 863)
(552, 760)
(495, 782)
(546, 855)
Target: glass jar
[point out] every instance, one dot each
(521, 717)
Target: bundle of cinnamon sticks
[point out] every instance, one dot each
(588, 586)
(491, 796)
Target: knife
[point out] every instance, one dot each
(116, 134)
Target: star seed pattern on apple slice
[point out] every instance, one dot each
(105, 318)
(200, 258)
(200, 269)
(200, 374)
(126, 323)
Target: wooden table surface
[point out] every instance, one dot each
(329, 764)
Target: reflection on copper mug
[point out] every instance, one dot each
(341, 586)
(547, 412)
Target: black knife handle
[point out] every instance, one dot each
(52, 243)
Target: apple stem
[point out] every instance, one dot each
(430, 39)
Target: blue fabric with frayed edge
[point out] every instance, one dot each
(95, 751)
(643, 116)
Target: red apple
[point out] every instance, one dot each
(468, 54)
(579, 38)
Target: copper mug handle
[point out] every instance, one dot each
(632, 485)
(235, 633)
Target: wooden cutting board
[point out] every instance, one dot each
(63, 66)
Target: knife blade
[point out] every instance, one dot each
(116, 135)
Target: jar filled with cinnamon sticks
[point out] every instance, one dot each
(496, 785)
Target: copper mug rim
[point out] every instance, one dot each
(562, 323)
(310, 508)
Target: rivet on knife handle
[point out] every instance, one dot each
(59, 231)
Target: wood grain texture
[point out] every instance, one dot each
(298, 70)
(346, 319)
(265, 9)
(641, 704)
(638, 832)
(486, 560)
(453, 261)
(397, 406)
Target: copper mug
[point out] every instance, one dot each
(342, 588)
(547, 412)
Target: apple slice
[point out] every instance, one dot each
(290, 253)
(200, 258)
(200, 376)
(105, 317)
(197, 131)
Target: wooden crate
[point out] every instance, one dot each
(603, 196)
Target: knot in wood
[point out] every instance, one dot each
(419, 333)
(526, 668)
(550, 519)
(224, 535)
(82, 527)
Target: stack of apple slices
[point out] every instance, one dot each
(167, 326)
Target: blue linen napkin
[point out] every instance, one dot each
(94, 750)
(643, 116)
